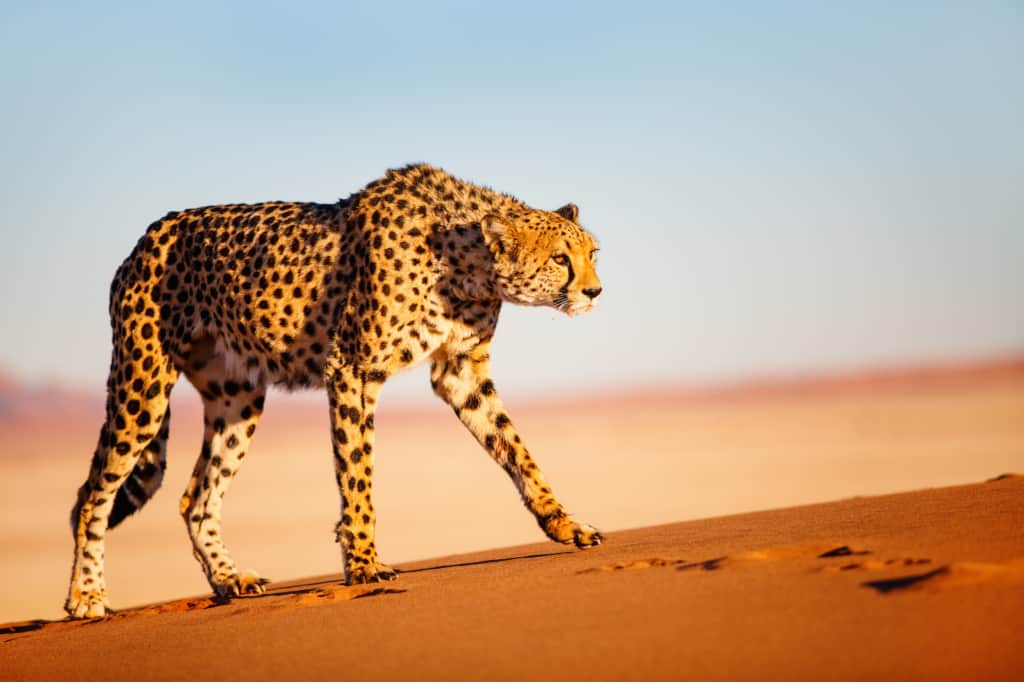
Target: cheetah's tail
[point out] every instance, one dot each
(145, 478)
(140, 485)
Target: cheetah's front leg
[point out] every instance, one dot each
(231, 411)
(463, 381)
(353, 398)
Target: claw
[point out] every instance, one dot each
(583, 542)
(377, 573)
(240, 584)
(560, 527)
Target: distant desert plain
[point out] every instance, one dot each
(693, 582)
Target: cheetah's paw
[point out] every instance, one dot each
(87, 604)
(372, 573)
(238, 584)
(563, 528)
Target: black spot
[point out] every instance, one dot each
(501, 421)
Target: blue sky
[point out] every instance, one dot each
(778, 187)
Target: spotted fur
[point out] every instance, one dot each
(414, 267)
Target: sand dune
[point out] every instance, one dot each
(618, 461)
(911, 586)
(916, 586)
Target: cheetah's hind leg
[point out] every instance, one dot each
(136, 410)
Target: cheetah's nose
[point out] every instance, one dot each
(592, 293)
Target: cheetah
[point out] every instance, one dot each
(340, 296)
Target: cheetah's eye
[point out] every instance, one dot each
(561, 259)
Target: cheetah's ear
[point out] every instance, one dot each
(498, 233)
(569, 212)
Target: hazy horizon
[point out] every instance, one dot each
(784, 189)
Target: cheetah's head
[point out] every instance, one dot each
(544, 258)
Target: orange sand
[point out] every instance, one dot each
(918, 586)
(733, 597)
(618, 461)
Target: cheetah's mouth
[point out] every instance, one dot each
(578, 308)
(572, 308)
